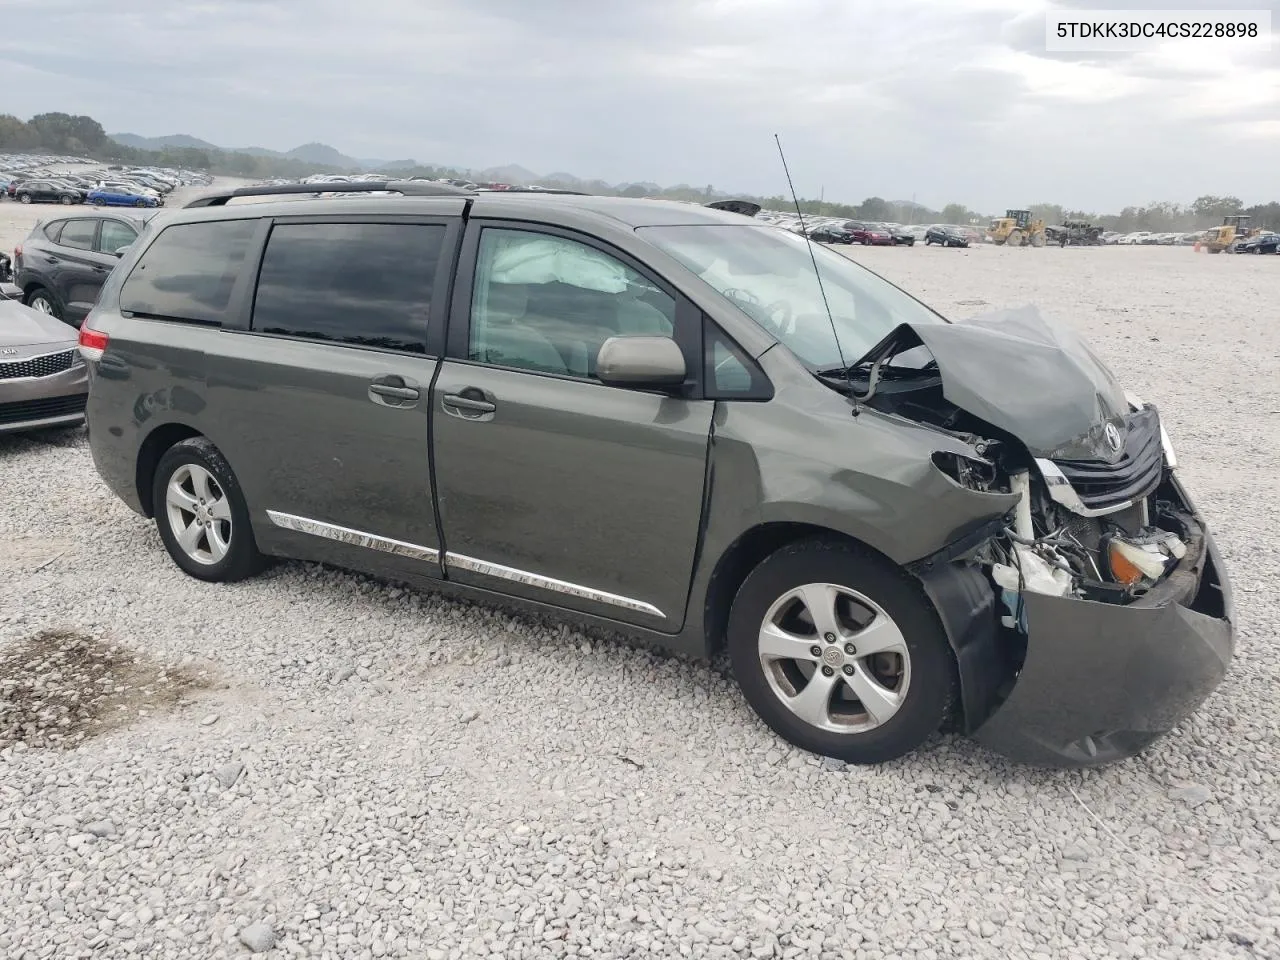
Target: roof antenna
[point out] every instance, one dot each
(804, 232)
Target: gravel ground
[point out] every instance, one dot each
(317, 764)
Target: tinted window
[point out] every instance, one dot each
(366, 284)
(189, 271)
(115, 235)
(78, 234)
(548, 303)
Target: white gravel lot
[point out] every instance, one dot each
(347, 769)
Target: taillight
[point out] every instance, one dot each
(17, 251)
(93, 343)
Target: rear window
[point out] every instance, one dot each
(188, 273)
(363, 284)
(78, 234)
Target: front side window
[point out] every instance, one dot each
(361, 284)
(769, 275)
(189, 271)
(115, 235)
(548, 303)
(78, 234)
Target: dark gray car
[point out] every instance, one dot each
(63, 262)
(43, 380)
(652, 417)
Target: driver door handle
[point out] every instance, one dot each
(391, 390)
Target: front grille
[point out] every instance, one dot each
(45, 366)
(1135, 474)
(21, 411)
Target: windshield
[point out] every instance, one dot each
(768, 274)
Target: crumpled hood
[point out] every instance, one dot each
(20, 326)
(1039, 381)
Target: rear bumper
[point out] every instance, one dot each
(1100, 681)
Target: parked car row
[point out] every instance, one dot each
(114, 186)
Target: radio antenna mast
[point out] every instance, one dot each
(804, 232)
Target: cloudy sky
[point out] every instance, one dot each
(942, 99)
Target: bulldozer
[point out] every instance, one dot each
(1016, 228)
(1234, 229)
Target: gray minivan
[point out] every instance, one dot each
(679, 423)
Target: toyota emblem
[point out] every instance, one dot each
(1112, 436)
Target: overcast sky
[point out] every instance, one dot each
(944, 99)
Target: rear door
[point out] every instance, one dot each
(77, 269)
(326, 395)
(551, 485)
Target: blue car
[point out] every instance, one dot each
(114, 197)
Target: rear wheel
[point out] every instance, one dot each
(24, 198)
(840, 652)
(201, 513)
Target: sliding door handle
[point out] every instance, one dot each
(469, 404)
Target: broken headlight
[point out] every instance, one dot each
(972, 473)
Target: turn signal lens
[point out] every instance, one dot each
(93, 343)
(1122, 570)
(1130, 563)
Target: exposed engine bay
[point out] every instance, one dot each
(1095, 518)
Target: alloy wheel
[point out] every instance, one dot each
(834, 658)
(199, 514)
(41, 304)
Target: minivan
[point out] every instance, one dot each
(678, 423)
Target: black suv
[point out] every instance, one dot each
(63, 262)
(47, 191)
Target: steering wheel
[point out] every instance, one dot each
(779, 317)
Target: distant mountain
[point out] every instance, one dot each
(318, 153)
(512, 173)
(324, 155)
(178, 140)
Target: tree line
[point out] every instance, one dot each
(61, 133)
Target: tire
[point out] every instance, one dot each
(99, 203)
(66, 200)
(24, 198)
(42, 301)
(140, 203)
(224, 551)
(912, 704)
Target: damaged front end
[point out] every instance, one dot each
(1097, 615)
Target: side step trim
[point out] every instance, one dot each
(488, 569)
(357, 538)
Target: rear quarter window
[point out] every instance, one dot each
(360, 284)
(189, 271)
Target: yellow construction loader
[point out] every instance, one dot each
(1016, 228)
(1233, 230)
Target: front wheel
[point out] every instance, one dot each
(66, 200)
(140, 203)
(841, 653)
(201, 513)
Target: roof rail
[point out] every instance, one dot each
(409, 188)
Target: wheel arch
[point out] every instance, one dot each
(149, 453)
(744, 555)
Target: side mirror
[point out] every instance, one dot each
(641, 362)
(123, 250)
